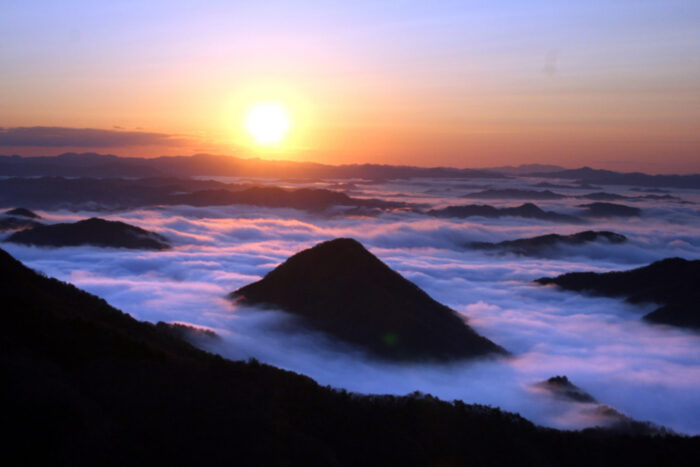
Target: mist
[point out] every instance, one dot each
(648, 372)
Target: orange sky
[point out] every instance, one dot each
(458, 84)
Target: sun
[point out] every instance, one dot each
(267, 123)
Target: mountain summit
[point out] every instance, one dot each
(93, 231)
(341, 288)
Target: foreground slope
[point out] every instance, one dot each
(85, 384)
(341, 288)
(673, 283)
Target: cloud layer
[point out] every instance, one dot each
(648, 372)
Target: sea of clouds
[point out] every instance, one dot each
(648, 372)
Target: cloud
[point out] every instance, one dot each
(45, 136)
(646, 371)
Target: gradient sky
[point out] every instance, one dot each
(611, 84)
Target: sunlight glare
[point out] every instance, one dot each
(267, 122)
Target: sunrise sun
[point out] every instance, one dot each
(267, 123)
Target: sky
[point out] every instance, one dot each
(469, 84)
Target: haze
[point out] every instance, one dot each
(465, 84)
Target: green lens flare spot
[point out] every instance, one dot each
(390, 339)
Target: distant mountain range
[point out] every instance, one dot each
(118, 193)
(341, 288)
(533, 246)
(98, 165)
(608, 177)
(527, 210)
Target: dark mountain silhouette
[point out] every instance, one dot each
(550, 195)
(580, 186)
(22, 212)
(85, 384)
(16, 223)
(97, 165)
(94, 231)
(610, 210)
(527, 210)
(115, 193)
(673, 283)
(608, 177)
(191, 334)
(536, 245)
(604, 196)
(560, 386)
(650, 190)
(341, 288)
(524, 169)
(310, 199)
(512, 193)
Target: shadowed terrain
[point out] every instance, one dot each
(537, 245)
(89, 385)
(117, 193)
(673, 283)
(341, 288)
(610, 210)
(95, 232)
(22, 212)
(527, 210)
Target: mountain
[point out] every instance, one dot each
(22, 212)
(341, 288)
(608, 177)
(524, 169)
(515, 194)
(95, 232)
(16, 223)
(311, 199)
(85, 384)
(610, 210)
(583, 186)
(113, 193)
(97, 165)
(527, 210)
(560, 386)
(536, 245)
(673, 283)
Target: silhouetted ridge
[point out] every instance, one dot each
(116, 193)
(341, 288)
(22, 212)
(85, 384)
(527, 210)
(608, 177)
(513, 193)
(536, 245)
(94, 231)
(561, 386)
(610, 210)
(16, 223)
(673, 283)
